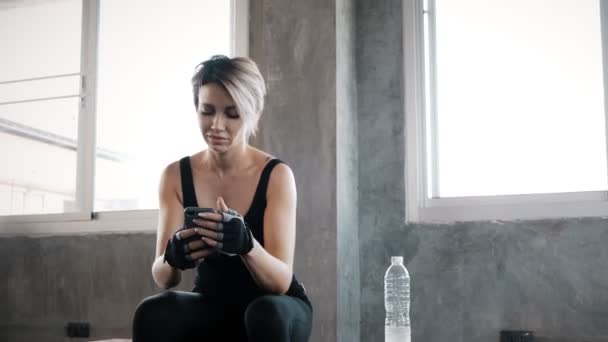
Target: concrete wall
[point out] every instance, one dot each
(347, 180)
(469, 280)
(381, 150)
(306, 51)
(48, 281)
(102, 277)
(293, 43)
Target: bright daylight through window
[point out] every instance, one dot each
(145, 118)
(512, 103)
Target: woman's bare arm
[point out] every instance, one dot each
(271, 266)
(170, 219)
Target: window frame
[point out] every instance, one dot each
(84, 219)
(424, 207)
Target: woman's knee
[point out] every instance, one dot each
(153, 308)
(152, 319)
(170, 316)
(278, 318)
(269, 304)
(264, 311)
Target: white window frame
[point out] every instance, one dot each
(421, 206)
(84, 219)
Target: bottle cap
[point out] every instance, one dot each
(396, 260)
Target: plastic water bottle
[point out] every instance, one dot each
(397, 302)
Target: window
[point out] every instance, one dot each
(505, 109)
(95, 99)
(140, 132)
(39, 104)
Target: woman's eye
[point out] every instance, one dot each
(232, 113)
(207, 111)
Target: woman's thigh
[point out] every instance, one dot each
(178, 316)
(278, 318)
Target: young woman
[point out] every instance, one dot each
(243, 249)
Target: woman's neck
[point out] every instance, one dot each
(229, 162)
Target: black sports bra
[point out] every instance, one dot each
(221, 276)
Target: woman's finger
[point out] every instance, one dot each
(195, 245)
(201, 253)
(211, 233)
(221, 205)
(217, 217)
(186, 233)
(212, 243)
(208, 224)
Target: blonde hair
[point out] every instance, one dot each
(242, 79)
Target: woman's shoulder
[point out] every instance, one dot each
(170, 182)
(171, 174)
(281, 176)
(171, 171)
(260, 156)
(263, 158)
(281, 184)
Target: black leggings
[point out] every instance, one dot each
(186, 316)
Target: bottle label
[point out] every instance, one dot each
(397, 334)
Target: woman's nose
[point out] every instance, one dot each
(218, 121)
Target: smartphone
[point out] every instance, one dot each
(190, 213)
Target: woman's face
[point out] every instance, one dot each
(218, 118)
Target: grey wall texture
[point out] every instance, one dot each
(102, 277)
(294, 44)
(335, 115)
(48, 281)
(347, 175)
(469, 280)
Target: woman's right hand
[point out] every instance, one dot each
(186, 248)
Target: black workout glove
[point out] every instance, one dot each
(235, 235)
(177, 253)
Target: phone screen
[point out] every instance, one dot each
(190, 213)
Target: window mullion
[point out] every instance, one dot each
(604, 28)
(239, 27)
(433, 128)
(86, 117)
(413, 81)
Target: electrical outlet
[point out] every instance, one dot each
(78, 329)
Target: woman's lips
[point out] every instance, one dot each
(217, 139)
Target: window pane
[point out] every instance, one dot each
(145, 114)
(58, 118)
(38, 173)
(39, 38)
(520, 97)
(38, 139)
(39, 89)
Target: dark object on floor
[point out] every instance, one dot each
(516, 336)
(78, 329)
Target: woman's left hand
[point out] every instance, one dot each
(226, 230)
